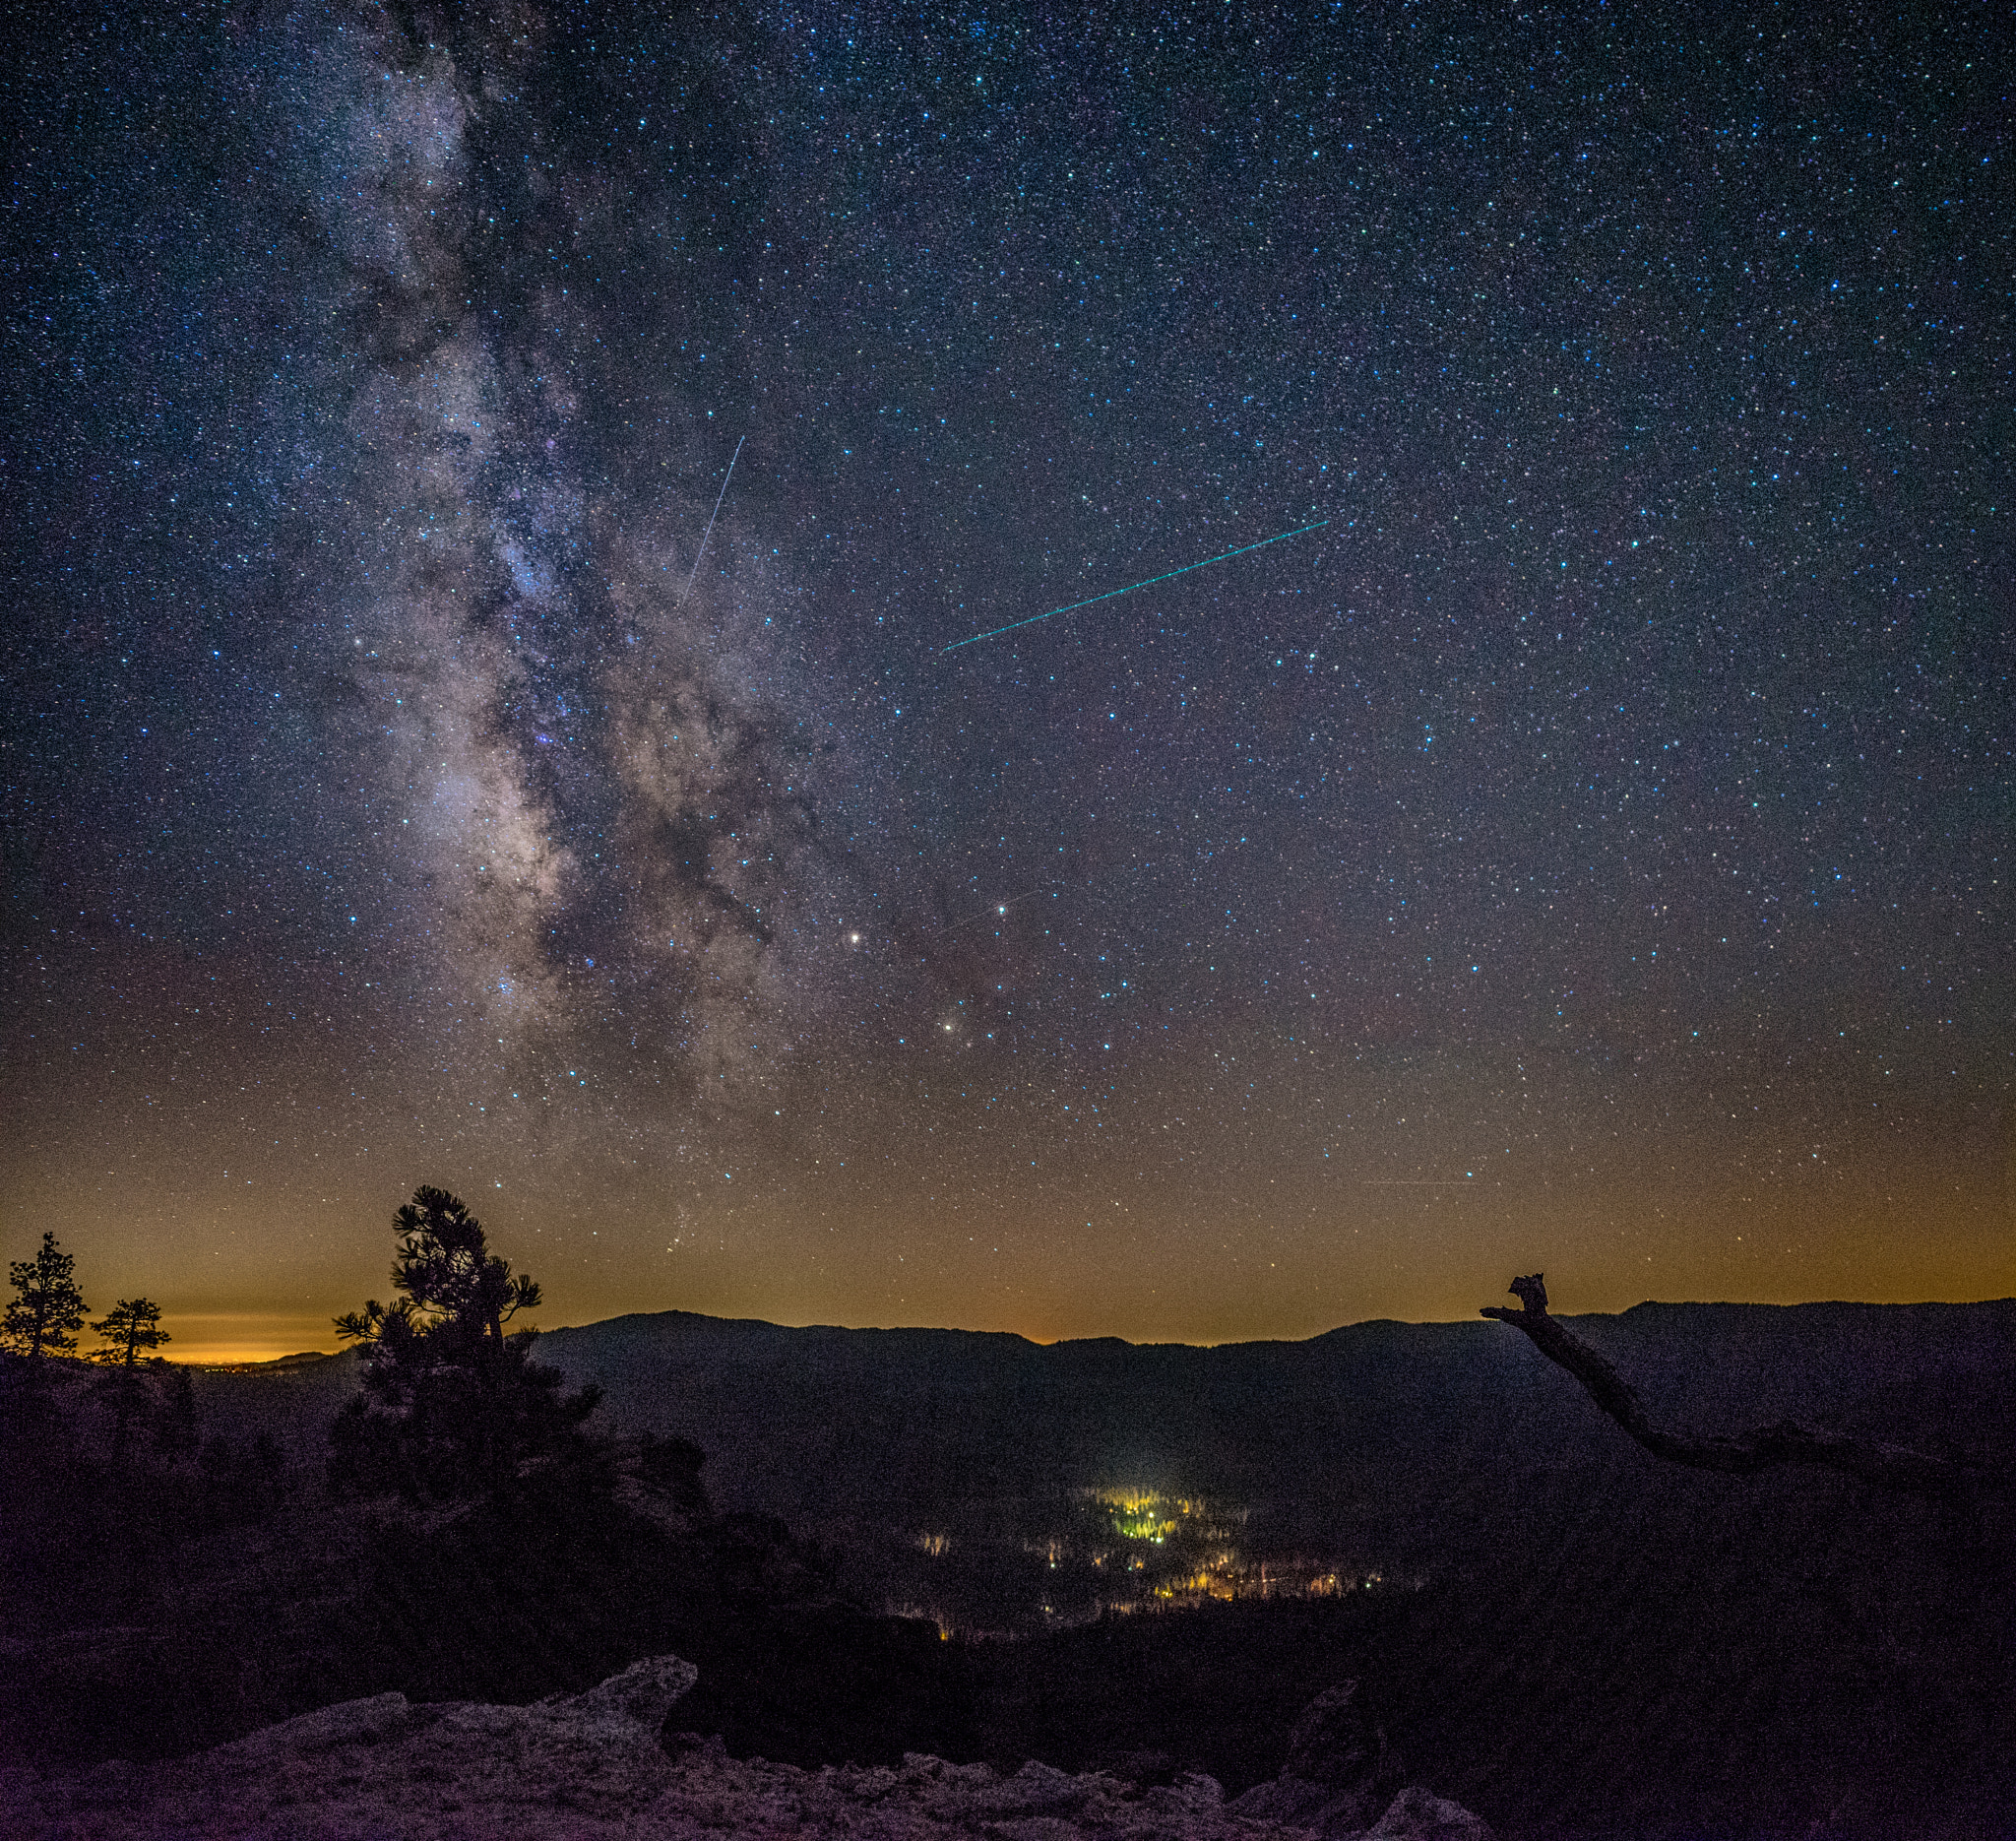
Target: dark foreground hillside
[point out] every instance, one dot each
(1559, 1632)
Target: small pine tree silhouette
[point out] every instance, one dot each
(133, 1324)
(49, 1306)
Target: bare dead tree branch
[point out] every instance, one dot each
(1888, 1466)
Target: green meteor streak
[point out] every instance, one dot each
(996, 632)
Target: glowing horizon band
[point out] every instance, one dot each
(1013, 625)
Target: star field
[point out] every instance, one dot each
(1587, 850)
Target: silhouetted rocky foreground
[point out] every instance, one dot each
(595, 1766)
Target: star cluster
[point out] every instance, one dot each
(1586, 848)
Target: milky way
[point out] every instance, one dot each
(1585, 845)
(614, 810)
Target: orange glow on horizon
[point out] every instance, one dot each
(238, 1355)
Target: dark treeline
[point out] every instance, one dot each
(107, 1478)
(104, 1468)
(467, 1532)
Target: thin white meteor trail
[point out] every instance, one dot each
(999, 909)
(1072, 608)
(711, 517)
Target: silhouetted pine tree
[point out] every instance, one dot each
(133, 1324)
(452, 1406)
(49, 1305)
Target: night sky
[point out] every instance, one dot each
(1589, 850)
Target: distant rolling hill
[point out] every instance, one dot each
(1392, 1424)
(1389, 1423)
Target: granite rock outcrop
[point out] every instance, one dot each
(595, 1767)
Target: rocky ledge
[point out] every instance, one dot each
(594, 1769)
